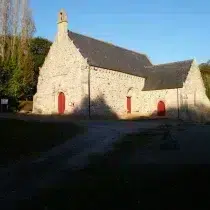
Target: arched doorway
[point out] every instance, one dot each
(161, 109)
(61, 103)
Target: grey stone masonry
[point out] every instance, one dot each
(104, 92)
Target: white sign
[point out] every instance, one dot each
(4, 101)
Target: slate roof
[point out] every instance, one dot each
(105, 55)
(167, 76)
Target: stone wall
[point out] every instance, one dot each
(194, 101)
(187, 103)
(150, 100)
(64, 70)
(110, 89)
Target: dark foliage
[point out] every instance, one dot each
(21, 81)
(205, 72)
(39, 48)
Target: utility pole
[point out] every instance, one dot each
(177, 77)
(89, 105)
(178, 103)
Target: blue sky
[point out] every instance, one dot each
(166, 30)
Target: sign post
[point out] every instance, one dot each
(4, 104)
(4, 101)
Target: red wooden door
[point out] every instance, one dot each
(161, 109)
(61, 103)
(128, 104)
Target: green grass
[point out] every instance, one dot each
(19, 139)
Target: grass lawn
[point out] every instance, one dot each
(19, 139)
(107, 184)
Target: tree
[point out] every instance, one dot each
(205, 67)
(16, 31)
(4, 16)
(39, 48)
(205, 72)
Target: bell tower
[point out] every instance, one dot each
(62, 24)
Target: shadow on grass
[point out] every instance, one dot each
(20, 139)
(107, 184)
(144, 187)
(125, 147)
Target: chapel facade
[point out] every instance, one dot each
(86, 77)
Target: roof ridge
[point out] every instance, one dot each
(161, 64)
(111, 44)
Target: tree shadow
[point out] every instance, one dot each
(196, 113)
(97, 109)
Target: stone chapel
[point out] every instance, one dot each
(86, 77)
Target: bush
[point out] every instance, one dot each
(26, 106)
(13, 104)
